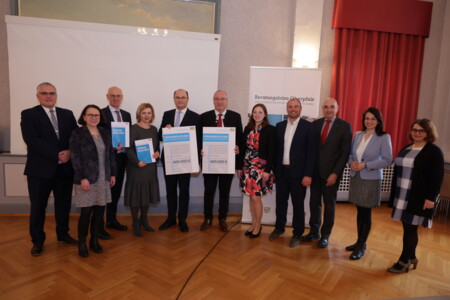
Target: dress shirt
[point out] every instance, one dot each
(288, 136)
(223, 116)
(362, 147)
(330, 126)
(183, 113)
(114, 114)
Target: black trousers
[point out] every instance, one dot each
(39, 190)
(329, 194)
(177, 190)
(210, 181)
(286, 186)
(116, 190)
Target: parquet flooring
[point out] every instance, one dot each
(213, 265)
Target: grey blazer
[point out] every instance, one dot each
(377, 155)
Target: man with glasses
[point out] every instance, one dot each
(46, 129)
(113, 113)
(180, 116)
(220, 116)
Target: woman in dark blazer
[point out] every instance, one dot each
(95, 169)
(418, 174)
(257, 151)
(371, 151)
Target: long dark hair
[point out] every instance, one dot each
(251, 123)
(379, 130)
(81, 120)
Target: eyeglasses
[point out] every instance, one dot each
(92, 115)
(181, 98)
(115, 96)
(47, 93)
(220, 99)
(419, 131)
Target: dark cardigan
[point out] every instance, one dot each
(266, 150)
(426, 180)
(85, 156)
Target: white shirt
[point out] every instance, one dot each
(114, 114)
(288, 136)
(183, 113)
(223, 116)
(362, 147)
(47, 110)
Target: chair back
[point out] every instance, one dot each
(445, 187)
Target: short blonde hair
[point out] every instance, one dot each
(141, 108)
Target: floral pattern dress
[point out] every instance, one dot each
(251, 182)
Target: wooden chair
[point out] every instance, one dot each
(443, 199)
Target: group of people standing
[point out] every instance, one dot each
(295, 154)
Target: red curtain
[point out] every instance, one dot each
(379, 69)
(378, 53)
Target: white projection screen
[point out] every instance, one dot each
(84, 59)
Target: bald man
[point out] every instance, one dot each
(335, 136)
(113, 113)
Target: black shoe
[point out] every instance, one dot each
(167, 223)
(310, 237)
(323, 242)
(295, 240)
(183, 226)
(137, 228)
(94, 245)
(67, 239)
(82, 248)
(352, 247)
(36, 250)
(358, 252)
(275, 235)
(103, 234)
(206, 224)
(116, 225)
(143, 221)
(254, 236)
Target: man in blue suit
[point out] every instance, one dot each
(46, 130)
(113, 113)
(181, 116)
(294, 168)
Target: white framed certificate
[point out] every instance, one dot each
(180, 150)
(144, 150)
(218, 150)
(120, 133)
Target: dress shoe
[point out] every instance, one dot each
(82, 248)
(183, 226)
(295, 240)
(67, 239)
(36, 250)
(358, 252)
(254, 236)
(143, 221)
(414, 262)
(400, 267)
(310, 237)
(103, 234)
(275, 235)
(323, 242)
(137, 228)
(223, 225)
(248, 232)
(94, 245)
(167, 223)
(116, 225)
(206, 224)
(351, 247)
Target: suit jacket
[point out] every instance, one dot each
(266, 147)
(231, 119)
(43, 145)
(85, 155)
(333, 154)
(377, 155)
(302, 154)
(126, 117)
(426, 180)
(190, 119)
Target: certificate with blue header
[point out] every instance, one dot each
(218, 150)
(180, 150)
(144, 150)
(120, 133)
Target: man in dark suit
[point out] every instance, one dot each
(294, 167)
(220, 116)
(335, 142)
(46, 130)
(181, 116)
(113, 113)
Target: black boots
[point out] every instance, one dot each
(82, 248)
(358, 249)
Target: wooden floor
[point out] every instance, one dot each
(213, 265)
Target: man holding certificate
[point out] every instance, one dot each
(220, 117)
(113, 113)
(181, 116)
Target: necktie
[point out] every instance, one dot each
(177, 120)
(325, 131)
(219, 121)
(54, 122)
(119, 117)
